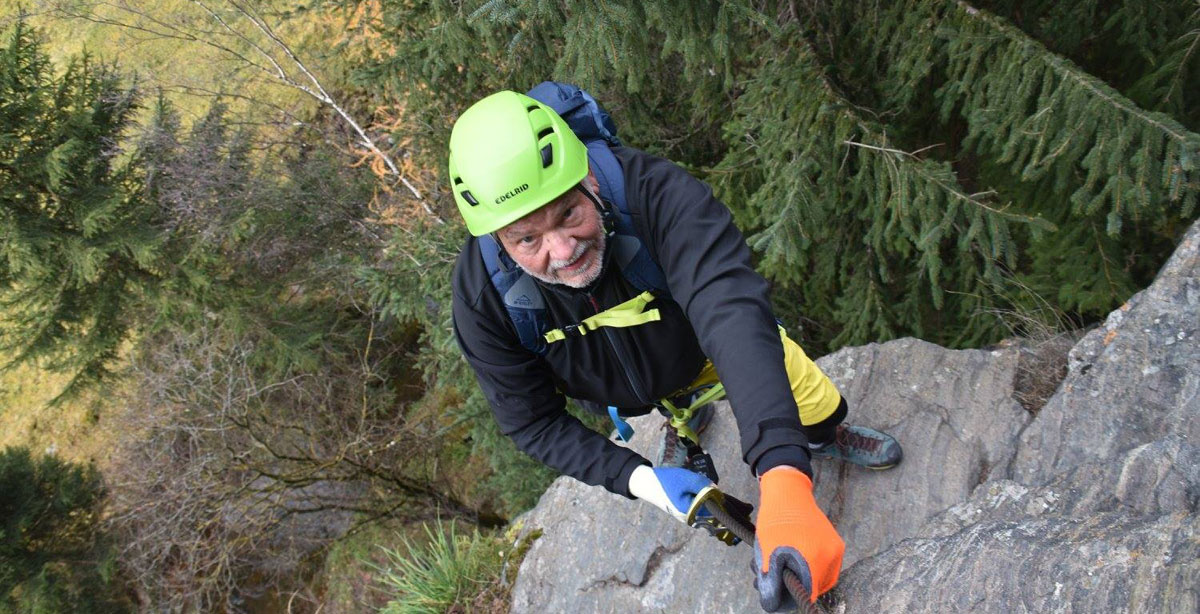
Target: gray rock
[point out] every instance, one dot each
(1089, 507)
(1101, 563)
(1156, 479)
(1099, 512)
(954, 414)
(1113, 536)
(1132, 381)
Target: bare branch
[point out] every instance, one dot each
(145, 21)
(327, 99)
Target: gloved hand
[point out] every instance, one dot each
(794, 533)
(670, 489)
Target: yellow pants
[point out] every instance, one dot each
(816, 397)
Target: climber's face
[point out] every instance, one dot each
(561, 243)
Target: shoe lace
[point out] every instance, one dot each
(849, 438)
(671, 440)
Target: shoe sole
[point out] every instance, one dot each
(871, 467)
(883, 468)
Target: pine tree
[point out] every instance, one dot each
(52, 556)
(77, 241)
(1034, 129)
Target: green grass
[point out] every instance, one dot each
(448, 572)
(76, 430)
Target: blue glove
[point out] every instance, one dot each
(670, 489)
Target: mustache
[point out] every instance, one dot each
(580, 248)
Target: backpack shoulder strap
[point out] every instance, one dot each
(631, 254)
(520, 294)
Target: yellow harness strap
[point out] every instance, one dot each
(680, 416)
(630, 313)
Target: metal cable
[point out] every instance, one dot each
(744, 529)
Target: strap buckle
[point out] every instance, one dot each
(574, 330)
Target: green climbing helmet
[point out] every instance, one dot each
(509, 156)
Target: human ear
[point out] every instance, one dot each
(592, 183)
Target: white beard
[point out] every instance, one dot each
(589, 276)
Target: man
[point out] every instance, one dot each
(521, 178)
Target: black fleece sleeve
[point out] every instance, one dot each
(707, 264)
(530, 410)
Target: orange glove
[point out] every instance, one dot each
(793, 533)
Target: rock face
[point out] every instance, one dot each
(954, 413)
(1089, 507)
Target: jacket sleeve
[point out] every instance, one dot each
(531, 411)
(707, 264)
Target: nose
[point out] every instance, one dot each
(561, 244)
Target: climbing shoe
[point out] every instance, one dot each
(672, 449)
(861, 446)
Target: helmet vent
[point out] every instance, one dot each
(547, 156)
(545, 133)
(466, 194)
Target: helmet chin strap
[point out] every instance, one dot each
(606, 214)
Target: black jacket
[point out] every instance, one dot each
(718, 309)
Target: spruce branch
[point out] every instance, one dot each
(975, 199)
(1177, 78)
(1081, 125)
(911, 218)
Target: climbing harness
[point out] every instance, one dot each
(680, 416)
(697, 459)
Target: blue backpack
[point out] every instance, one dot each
(522, 298)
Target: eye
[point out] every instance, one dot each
(525, 240)
(569, 212)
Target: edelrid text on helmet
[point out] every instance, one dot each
(506, 140)
(511, 193)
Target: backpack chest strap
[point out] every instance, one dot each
(630, 313)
